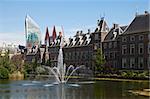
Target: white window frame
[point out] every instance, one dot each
(148, 63)
(124, 62)
(140, 60)
(132, 46)
(141, 45)
(124, 47)
(149, 48)
(132, 62)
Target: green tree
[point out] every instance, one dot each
(4, 73)
(48, 63)
(99, 61)
(5, 61)
(31, 67)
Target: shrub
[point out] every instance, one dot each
(3, 73)
(40, 70)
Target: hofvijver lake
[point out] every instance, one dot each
(26, 89)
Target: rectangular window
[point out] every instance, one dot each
(132, 62)
(69, 55)
(105, 45)
(149, 63)
(96, 36)
(115, 44)
(96, 46)
(124, 62)
(149, 48)
(73, 55)
(106, 55)
(140, 63)
(115, 54)
(149, 36)
(65, 56)
(115, 64)
(111, 55)
(141, 48)
(132, 49)
(124, 49)
(110, 44)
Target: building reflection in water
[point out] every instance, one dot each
(52, 92)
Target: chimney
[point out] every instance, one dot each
(77, 34)
(115, 25)
(146, 12)
(81, 32)
(89, 31)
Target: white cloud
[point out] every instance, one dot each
(19, 37)
(15, 38)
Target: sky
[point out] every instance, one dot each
(73, 15)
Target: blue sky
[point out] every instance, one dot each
(73, 15)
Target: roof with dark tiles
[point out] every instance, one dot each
(141, 23)
(114, 33)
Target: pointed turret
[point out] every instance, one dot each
(47, 37)
(54, 34)
(103, 27)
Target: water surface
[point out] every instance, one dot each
(26, 89)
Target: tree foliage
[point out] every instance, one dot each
(99, 61)
(4, 73)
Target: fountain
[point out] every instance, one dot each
(61, 73)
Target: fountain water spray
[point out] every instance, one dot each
(61, 73)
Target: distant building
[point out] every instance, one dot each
(33, 40)
(10, 48)
(33, 33)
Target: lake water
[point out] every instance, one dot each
(80, 90)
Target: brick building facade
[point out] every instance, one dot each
(81, 49)
(124, 47)
(128, 47)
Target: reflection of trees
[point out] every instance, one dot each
(70, 92)
(108, 89)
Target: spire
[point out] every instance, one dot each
(47, 38)
(103, 27)
(60, 34)
(54, 34)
